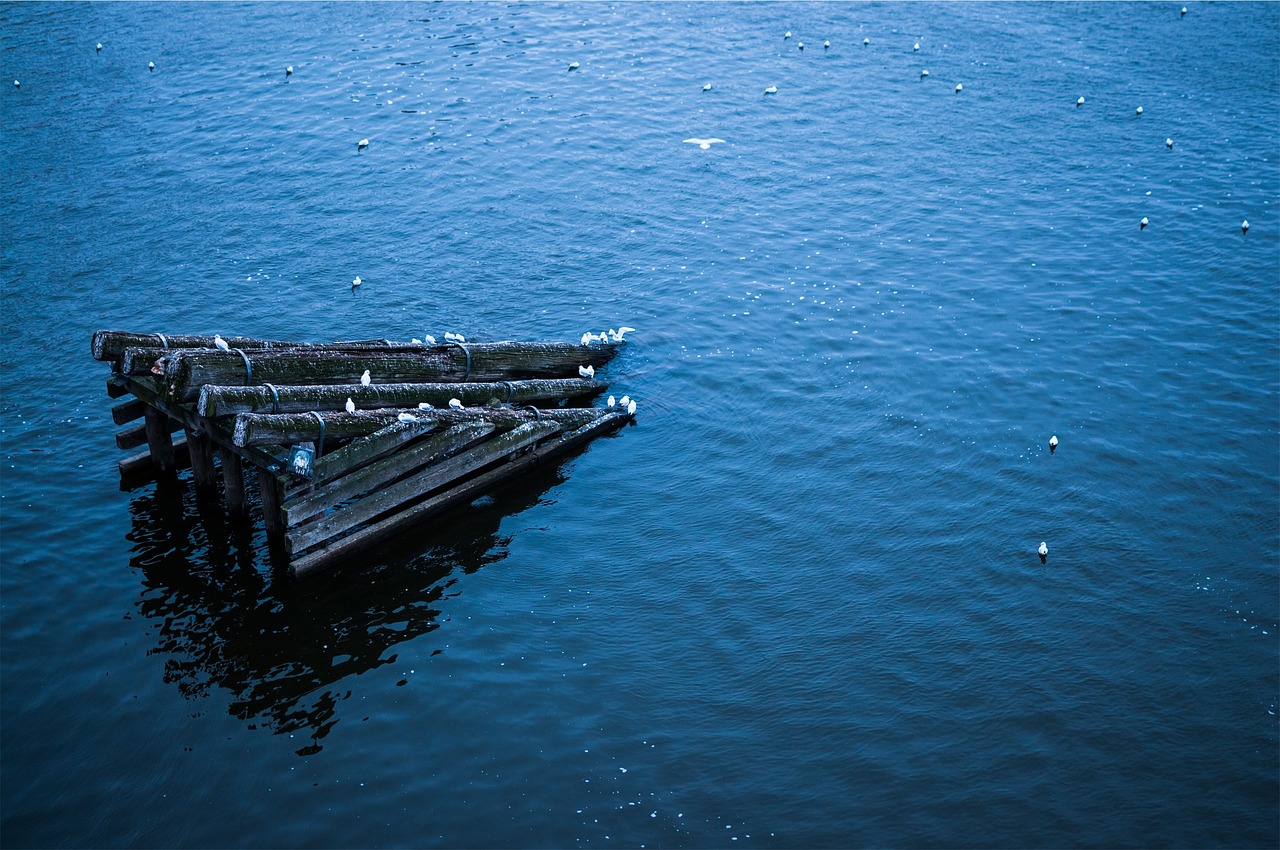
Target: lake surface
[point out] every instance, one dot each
(798, 604)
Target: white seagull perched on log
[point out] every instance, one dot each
(452, 337)
(626, 399)
(612, 401)
(366, 379)
(350, 405)
(406, 417)
(587, 371)
(631, 409)
(705, 144)
(455, 404)
(219, 342)
(425, 405)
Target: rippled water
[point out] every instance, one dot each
(798, 604)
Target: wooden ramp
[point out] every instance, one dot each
(350, 442)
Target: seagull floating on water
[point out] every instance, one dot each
(826, 45)
(288, 71)
(1244, 226)
(1079, 101)
(924, 73)
(455, 404)
(1142, 225)
(99, 47)
(587, 371)
(366, 379)
(1044, 551)
(705, 144)
(800, 45)
(362, 144)
(915, 46)
(356, 282)
(707, 87)
(1053, 444)
(17, 85)
(1168, 143)
(959, 88)
(865, 42)
(787, 34)
(771, 90)
(151, 66)
(350, 405)
(573, 66)
(1139, 110)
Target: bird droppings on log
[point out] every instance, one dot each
(351, 441)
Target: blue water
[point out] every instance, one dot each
(798, 604)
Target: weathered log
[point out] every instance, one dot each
(203, 471)
(222, 401)
(110, 345)
(385, 472)
(233, 483)
(186, 371)
(159, 442)
(429, 479)
(366, 450)
(138, 469)
(334, 551)
(127, 411)
(259, 429)
(272, 516)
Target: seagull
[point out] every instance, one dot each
(455, 404)
(787, 34)
(1139, 110)
(361, 145)
(771, 90)
(452, 337)
(626, 399)
(1244, 226)
(587, 371)
(429, 339)
(587, 337)
(800, 45)
(350, 405)
(288, 71)
(99, 47)
(959, 88)
(1079, 102)
(573, 66)
(1168, 143)
(705, 144)
(622, 330)
(17, 85)
(865, 42)
(631, 409)
(1142, 225)
(826, 45)
(707, 87)
(366, 379)
(1044, 551)
(1183, 13)
(924, 74)
(916, 46)
(425, 405)
(220, 342)
(1053, 444)
(151, 66)
(612, 401)
(406, 417)
(415, 341)
(356, 282)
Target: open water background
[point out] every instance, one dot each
(798, 605)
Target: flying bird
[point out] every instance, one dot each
(705, 144)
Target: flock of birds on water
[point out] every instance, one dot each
(616, 335)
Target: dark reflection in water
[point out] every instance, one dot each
(227, 617)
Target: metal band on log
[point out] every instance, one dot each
(259, 429)
(222, 401)
(187, 371)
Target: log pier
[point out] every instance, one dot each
(433, 427)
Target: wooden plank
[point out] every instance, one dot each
(203, 471)
(366, 450)
(116, 387)
(272, 517)
(381, 474)
(218, 400)
(131, 438)
(137, 469)
(258, 429)
(431, 478)
(159, 442)
(187, 370)
(127, 411)
(233, 483)
(336, 551)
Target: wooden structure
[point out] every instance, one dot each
(350, 442)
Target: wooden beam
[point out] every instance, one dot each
(431, 478)
(335, 551)
(159, 442)
(272, 517)
(233, 483)
(131, 438)
(127, 411)
(202, 468)
(138, 469)
(218, 400)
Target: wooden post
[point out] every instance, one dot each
(206, 477)
(273, 519)
(233, 483)
(159, 441)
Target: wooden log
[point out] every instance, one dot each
(110, 345)
(335, 551)
(259, 429)
(128, 411)
(131, 438)
(223, 400)
(138, 469)
(384, 472)
(233, 483)
(186, 371)
(429, 479)
(116, 387)
(272, 516)
(203, 471)
(159, 442)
